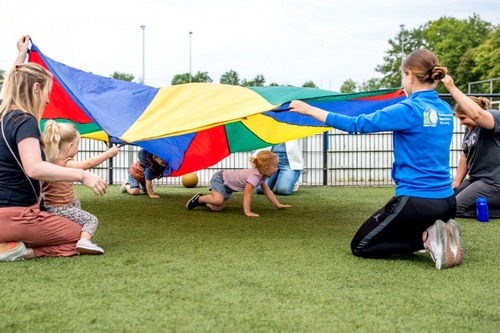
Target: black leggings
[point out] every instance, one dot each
(397, 227)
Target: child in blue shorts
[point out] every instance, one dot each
(142, 172)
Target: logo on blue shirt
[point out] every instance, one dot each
(430, 117)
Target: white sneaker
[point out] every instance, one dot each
(123, 188)
(84, 246)
(456, 245)
(12, 251)
(435, 243)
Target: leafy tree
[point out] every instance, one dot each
(184, 78)
(486, 60)
(449, 38)
(273, 84)
(371, 84)
(202, 77)
(400, 46)
(348, 86)
(258, 81)
(309, 84)
(180, 79)
(230, 77)
(123, 76)
(2, 74)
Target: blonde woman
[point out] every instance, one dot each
(25, 230)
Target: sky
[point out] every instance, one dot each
(287, 41)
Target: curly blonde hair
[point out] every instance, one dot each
(483, 102)
(264, 158)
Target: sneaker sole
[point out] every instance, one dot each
(449, 254)
(83, 250)
(439, 247)
(455, 241)
(194, 197)
(14, 254)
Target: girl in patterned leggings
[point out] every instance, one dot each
(61, 145)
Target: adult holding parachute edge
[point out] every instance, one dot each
(480, 158)
(25, 230)
(422, 127)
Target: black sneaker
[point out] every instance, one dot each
(193, 202)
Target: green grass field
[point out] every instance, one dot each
(170, 270)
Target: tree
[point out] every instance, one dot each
(258, 81)
(202, 77)
(180, 79)
(486, 59)
(450, 39)
(405, 41)
(230, 77)
(123, 76)
(184, 78)
(348, 86)
(371, 84)
(309, 84)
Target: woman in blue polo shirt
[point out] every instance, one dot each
(422, 127)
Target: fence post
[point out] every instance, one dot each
(111, 168)
(325, 158)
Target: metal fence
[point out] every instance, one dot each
(333, 158)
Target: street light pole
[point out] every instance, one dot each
(402, 26)
(190, 76)
(401, 41)
(143, 27)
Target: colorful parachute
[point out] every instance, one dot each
(192, 126)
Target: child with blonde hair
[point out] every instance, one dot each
(61, 142)
(224, 183)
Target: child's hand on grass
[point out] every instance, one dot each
(250, 214)
(283, 206)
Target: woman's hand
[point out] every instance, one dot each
(300, 107)
(449, 84)
(23, 44)
(94, 182)
(308, 110)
